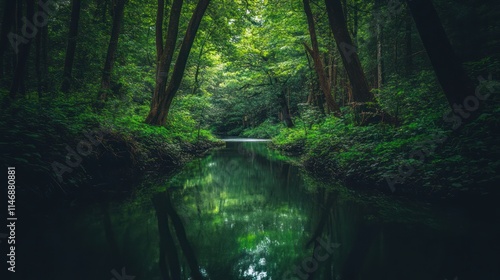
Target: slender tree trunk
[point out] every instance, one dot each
(379, 55)
(196, 84)
(169, 262)
(454, 81)
(160, 114)
(118, 10)
(7, 22)
(408, 42)
(334, 76)
(285, 110)
(71, 48)
(360, 89)
(18, 83)
(38, 69)
(164, 55)
(318, 63)
(310, 96)
(44, 31)
(184, 243)
(17, 29)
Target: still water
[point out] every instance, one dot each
(242, 212)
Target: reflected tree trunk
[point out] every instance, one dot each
(110, 235)
(354, 262)
(186, 247)
(169, 260)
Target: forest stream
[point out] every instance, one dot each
(242, 212)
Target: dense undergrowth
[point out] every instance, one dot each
(59, 144)
(423, 154)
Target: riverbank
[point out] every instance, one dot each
(63, 149)
(424, 158)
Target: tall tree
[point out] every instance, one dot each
(360, 89)
(408, 43)
(378, 27)
(7, 22)
(449, 71)
(40, 56)
(283, 101)
(71, 48)
(18, 82)
(118, 10)
(318, 61)
(160, 105)
(285, 109)
(165, 54)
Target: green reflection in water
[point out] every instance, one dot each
(249, 215)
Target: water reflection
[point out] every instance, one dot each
(250, 212)
(243, 213)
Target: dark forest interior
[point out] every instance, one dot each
(250, 139)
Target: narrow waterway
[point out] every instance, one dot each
(242, 212)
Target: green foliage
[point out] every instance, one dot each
(410, 98)
(435, 158)
(265, 130)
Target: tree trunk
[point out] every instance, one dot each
(18, 83)
(38, 56)
(360, 89)
(17, 30)
(285, 110)
(355, 24)
(310, 97)
(164, 55)
(71, 48)
(196, 84)
(7, 22)
(158, 115)
(169, 262)
(159, 29)
(449, 71)
(318, 63)
(408, 55)
(184, 243)
(379, 55)
(334, 76)
(118, 10)
(44, 59)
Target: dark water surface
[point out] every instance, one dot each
(244, 213)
